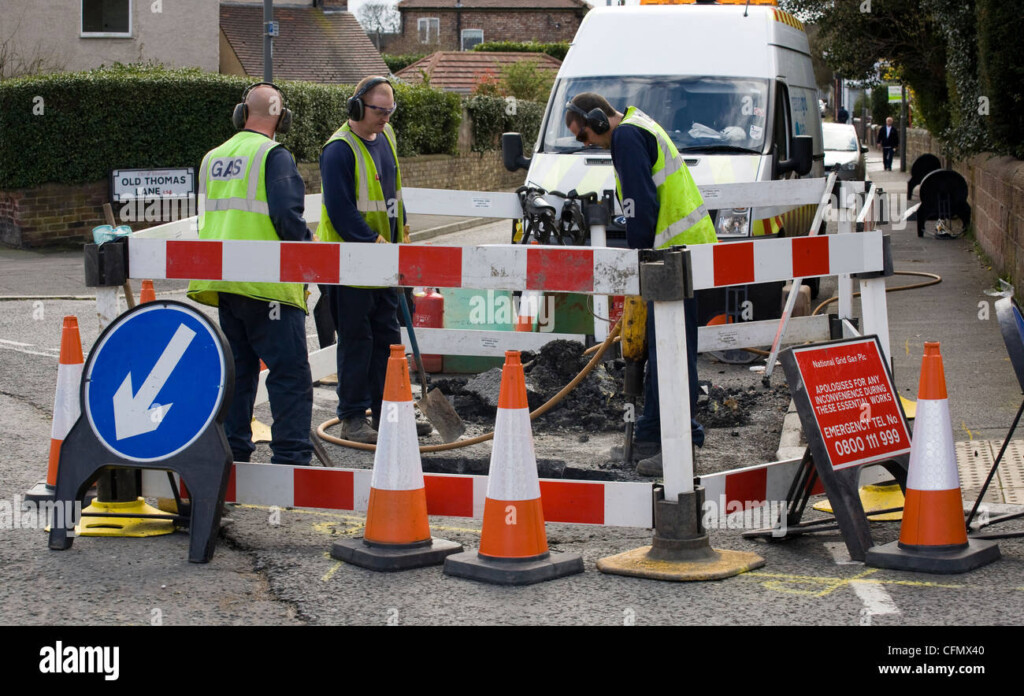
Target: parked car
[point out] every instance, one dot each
(842, 148)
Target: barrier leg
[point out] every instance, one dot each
(681, 550)
(875, 313)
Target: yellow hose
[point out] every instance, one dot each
(551, 403)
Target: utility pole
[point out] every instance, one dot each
(270, 30)
(903, 129)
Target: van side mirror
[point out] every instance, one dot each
(801, 148)
(512, 152)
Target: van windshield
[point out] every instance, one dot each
(700, 114)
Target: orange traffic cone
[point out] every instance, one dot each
(66, 408)
(933, 536)
(513, 543)
(147, 294)
(397, 535)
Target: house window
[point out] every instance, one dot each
(429, 28)
(471, 37)
(106, 18)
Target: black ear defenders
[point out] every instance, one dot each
(356, 108)
(595, 118)
(241, 113)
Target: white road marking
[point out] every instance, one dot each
(875, 597)
(17, 349)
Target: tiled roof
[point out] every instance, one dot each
(495, 4)
(329, 48)
(459, 71)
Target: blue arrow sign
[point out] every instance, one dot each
(155, 381)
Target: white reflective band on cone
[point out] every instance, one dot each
(515, 478)
(396, 465)
(66, 406)
(932, 454)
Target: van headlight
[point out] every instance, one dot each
(733, 223)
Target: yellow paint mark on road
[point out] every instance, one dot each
(908, 346)
(334, 568)
(831, 584)
(456, 529)
(970, 435)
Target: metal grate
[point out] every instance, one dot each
(974, 459)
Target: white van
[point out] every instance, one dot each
(731, 84)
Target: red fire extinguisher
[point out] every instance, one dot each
(429, 314)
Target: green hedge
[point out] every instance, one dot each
(145, 116)
(493, 116)
(556, 50)
(1001, 73)
(399, 61)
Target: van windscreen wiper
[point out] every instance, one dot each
(718, 148)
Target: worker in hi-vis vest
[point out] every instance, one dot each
(362, 203)
(663, 208)
(250, 189)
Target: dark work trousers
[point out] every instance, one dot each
(275, 332)
(887, 155)
(367, 322)
(648, 426)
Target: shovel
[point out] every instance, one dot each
(434, 405)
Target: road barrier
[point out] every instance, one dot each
(171, 251)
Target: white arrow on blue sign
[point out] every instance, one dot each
(155, 381)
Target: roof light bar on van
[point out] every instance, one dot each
(708, 2)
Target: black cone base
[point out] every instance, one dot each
(503, 571)
(974, 555)
(387, 559)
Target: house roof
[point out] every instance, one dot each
(459, 71)
(495, 5)
(329, 48)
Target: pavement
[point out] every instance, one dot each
(272, 566)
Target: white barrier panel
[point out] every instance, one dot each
(771, 198)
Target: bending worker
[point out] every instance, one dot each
(663, 208)
(250, 189)
(362, 203)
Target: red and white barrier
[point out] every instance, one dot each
(502, 267)
(606, 503)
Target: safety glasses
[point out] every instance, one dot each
(383, 111)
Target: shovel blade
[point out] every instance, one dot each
(439, 411)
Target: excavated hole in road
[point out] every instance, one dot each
(742, 419)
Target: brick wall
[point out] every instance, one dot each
(920, 142)
(996, 186)
(51, 214)
(528, 25)
(996, 193)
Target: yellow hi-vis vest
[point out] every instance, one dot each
(369, 194)
(682, 217)
(233, 205)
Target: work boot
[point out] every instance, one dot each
(652, 465)
(358, 430)
(642, 449)
(423, 428)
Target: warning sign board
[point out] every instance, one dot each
(856, 410)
